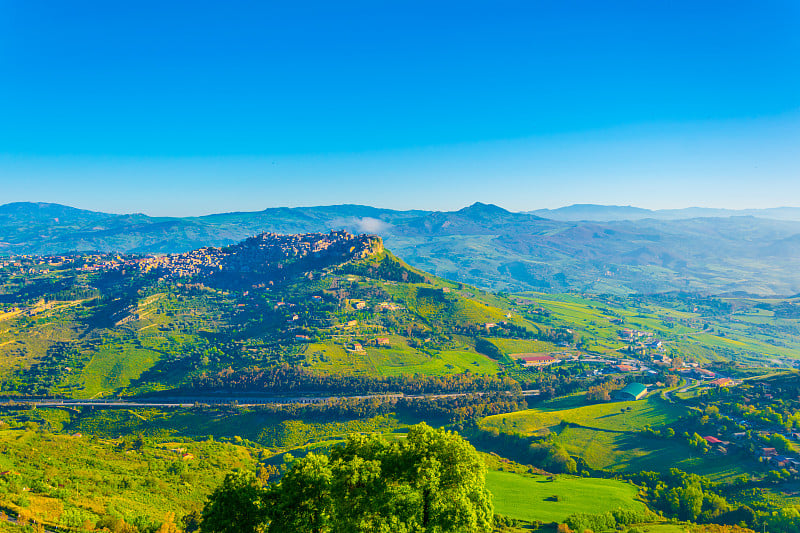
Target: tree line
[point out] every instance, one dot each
(286, 378)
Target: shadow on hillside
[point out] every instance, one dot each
(659, 455)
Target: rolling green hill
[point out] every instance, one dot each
(485, 245)
(96, 325)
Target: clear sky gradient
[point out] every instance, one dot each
(179, 108)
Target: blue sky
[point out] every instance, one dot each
(197, 107)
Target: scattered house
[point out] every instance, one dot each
(722, 382)
(624, 368)
(382, 341)
(712, 440)
(632, 391)
(702, 373)
(302, 338)
(782, 461)
(739, 435)
(535, 360)
(768, 452)
(356, 347)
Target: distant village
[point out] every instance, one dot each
(267, 250)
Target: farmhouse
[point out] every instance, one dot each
(702, 373)
(722, 382)
(536, 360)
(767, 452)
(632, 391)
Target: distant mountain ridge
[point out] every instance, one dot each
(607, 213)
(481, 244)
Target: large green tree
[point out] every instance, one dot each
(302, 500)
(236, 506)
(433, 481)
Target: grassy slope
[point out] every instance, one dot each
(733, 336)
(266, 429)
(328, 357)
(608, 438)
(98, 477)
(527, 497)
(608, 416)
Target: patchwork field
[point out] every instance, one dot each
(613, 416)
(607, 436)
(395, 360)
(512, 346)
(532, 497)
(744, 333)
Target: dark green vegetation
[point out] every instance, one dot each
(429, 481)
(325, 314)
(272, 315)
(382, 346)
(481, 244)
(79, 481)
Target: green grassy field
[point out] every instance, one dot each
(115, 366)
(512, 346)
(395, 360)
(528, 497)
(745, 335)
(608, 438)
(264, 428)
(608, 416)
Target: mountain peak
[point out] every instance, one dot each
(479, 208)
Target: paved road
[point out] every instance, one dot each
(668, 394)
(242, 400)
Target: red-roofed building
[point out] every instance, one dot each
(625, 368)
(712, 440)
(768, 452)
(538, 360)
(702, 373)
(723, 382)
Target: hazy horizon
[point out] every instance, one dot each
(166, 109)
(532, 210)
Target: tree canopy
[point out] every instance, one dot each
(433, 481)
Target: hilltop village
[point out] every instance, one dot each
(342, 334)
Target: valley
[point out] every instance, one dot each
(283, 347)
